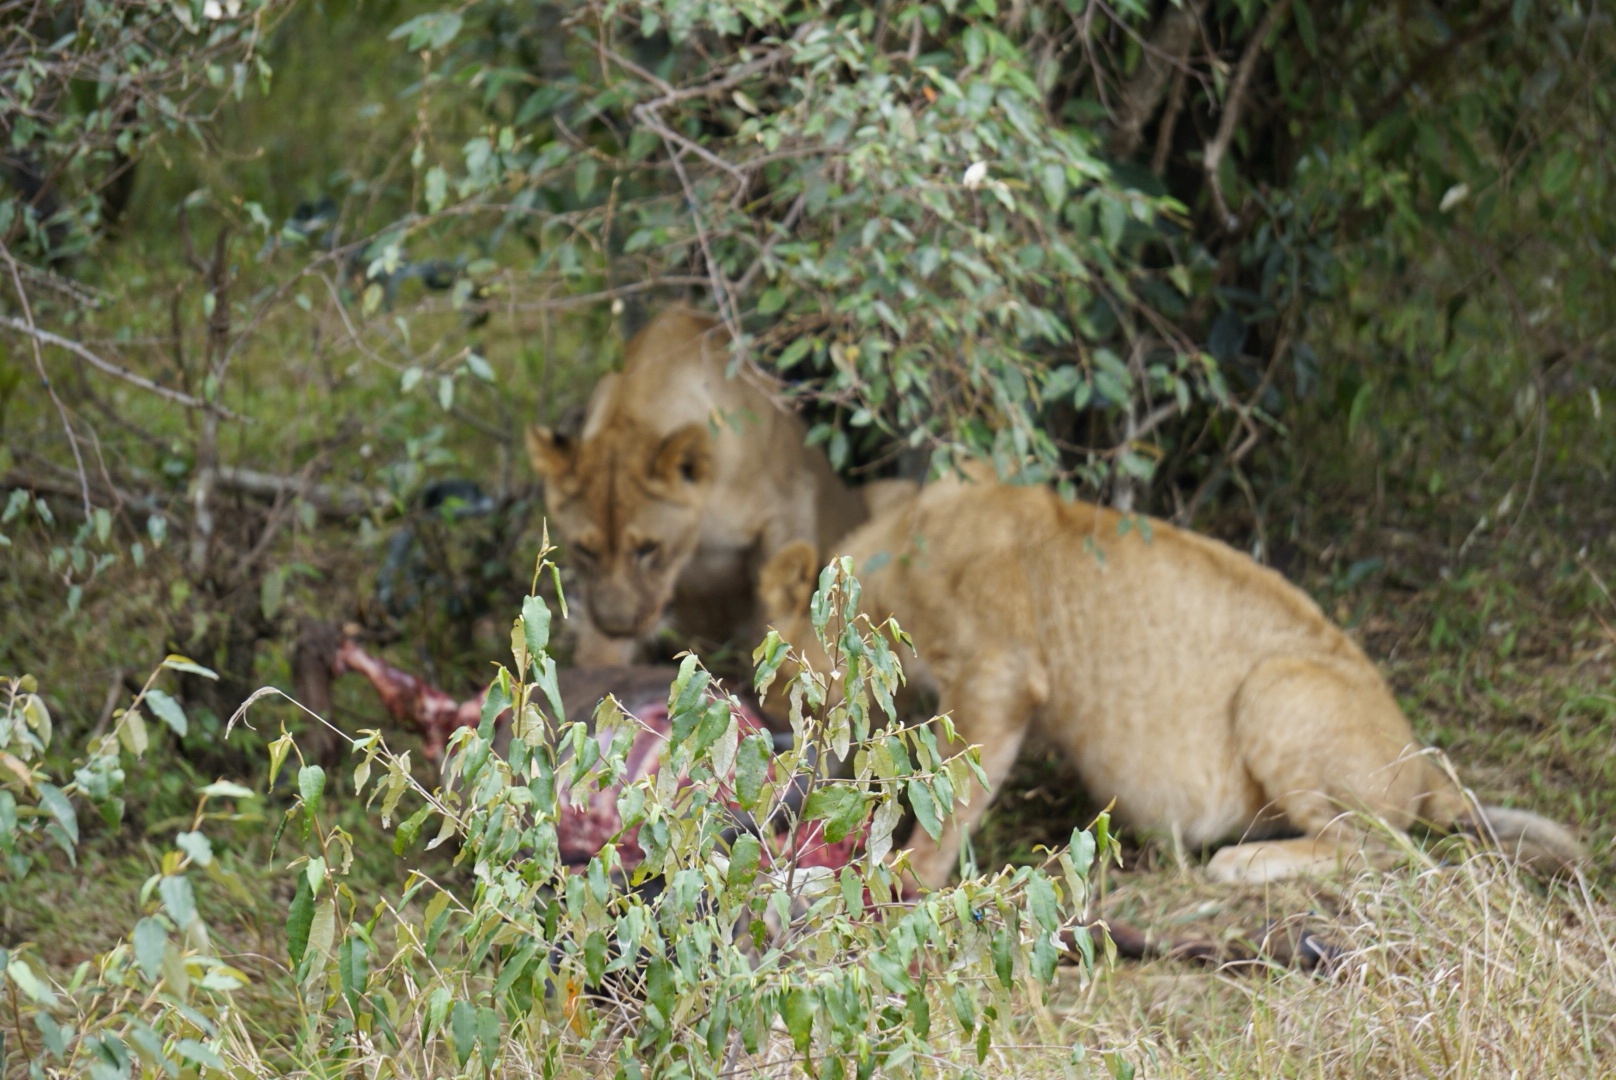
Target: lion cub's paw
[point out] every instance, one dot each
(1277, 860)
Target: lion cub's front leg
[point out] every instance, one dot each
(992, 702)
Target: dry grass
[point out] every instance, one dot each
(1468, 970)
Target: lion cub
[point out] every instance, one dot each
(1204, 692)
(682, 483)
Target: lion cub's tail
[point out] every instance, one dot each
(1543, 846)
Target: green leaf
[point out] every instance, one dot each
(882, 825)
(919, 1011)
(852, 891)
(488, 1034)
(178, 900)
(58, 806)
(1053, 179)
(272, 593)
(1041, 899)
(463, 1026)
(1559, 172)
(497, 700)
(409, 829)
(1113, 220)
(840, 805)
(743, 861)
(1004, 957)
(797, 1010)
(1304, 27)
(132, 732)
(322, 930)
(1120, 1067)
(715, 720)
(150, 940)
(192, 1050)
(595, 957)
(353, 968)
(752, 759)
(196, 846)
(546, 678)
(433, 30)
(37, 989)
(176, 662)
(315, 872)
(437, 192)
(925, 808)
(311, 785)
(1082, 848)
(299, 917)
(536, 625)
(224, 789)
(437, 1007)
(1359, 409)
(1044, 958)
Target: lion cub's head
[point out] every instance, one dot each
(627, 504)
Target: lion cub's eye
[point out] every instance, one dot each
(584, 553)
(647, 550)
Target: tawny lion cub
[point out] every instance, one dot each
(1205, 693)
(681, 485)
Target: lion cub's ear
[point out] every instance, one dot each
(787, 582)
(686, 456)
(553, 455)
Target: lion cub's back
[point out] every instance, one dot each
(1106, 594)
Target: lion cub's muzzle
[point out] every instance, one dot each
(621, 613)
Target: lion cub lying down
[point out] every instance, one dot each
(1204, 692)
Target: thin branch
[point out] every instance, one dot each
(332, 500)
(1232, 106)
(721, 292)
(672, 96)
(45, 337)
(647, 116)
(39, 366)
(789, 222)
(1169, 123)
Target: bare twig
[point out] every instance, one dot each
(1232, 106)
(1169, 123)
(721, 292)
(783, 229)
(647, 116)
(332, 500)
(39, 366)
(114, 692)
(45, 337)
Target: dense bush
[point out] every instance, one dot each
(722, 945)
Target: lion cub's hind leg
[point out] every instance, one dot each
(1322, 742)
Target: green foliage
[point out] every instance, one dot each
(723, 945)
(155, 1003)
(890, 210)
(33, 807)
(88, 85)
